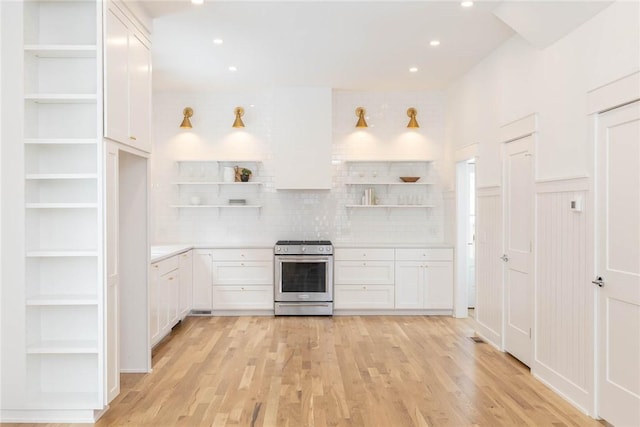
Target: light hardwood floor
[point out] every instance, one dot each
(340, 371)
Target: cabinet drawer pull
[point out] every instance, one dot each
(171, 278)
(364, 263)
(242, 264)
(133, 138)
(364, 287)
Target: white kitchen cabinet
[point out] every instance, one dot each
(242, 279)
(127, 79)
(302, 138)
(154, 306)
(363, 297)
(424, 279)
(364, 278)
(163, 298)
(202, 280)
(186, 283)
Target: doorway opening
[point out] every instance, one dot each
(465, 240)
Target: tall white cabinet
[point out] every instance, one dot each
(63, 206)
(62, 351)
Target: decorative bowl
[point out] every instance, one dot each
(409, 178)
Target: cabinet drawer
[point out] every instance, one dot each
(356, 254)
(425, 254)
(243, 297)
(166, 266)
(364, 272)
(242, 254)
(363, 297)
(239, 273)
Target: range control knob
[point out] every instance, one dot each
(321, 248)
(286, 249)
(278, 248)
(304, 249)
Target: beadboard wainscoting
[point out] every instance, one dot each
(489, 308)
(564, 295)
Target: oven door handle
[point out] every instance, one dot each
(303, 258)
(306, 304)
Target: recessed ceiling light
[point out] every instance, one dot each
(466, 4)
(197, 1)
(434, 42)
(218, 41)
(233, 68)
(413, 69)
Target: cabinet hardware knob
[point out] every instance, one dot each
(170, 278)
(133, 138)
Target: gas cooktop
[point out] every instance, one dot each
(303, 242)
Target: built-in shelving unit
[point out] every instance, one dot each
(63, 200)
(385, 175)
(203, 181)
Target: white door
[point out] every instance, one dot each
(618, 265)
(518, 247)
(471, 236)
(113, 277)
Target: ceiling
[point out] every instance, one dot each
(349, 45)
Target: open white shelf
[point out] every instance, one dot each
(63, 347)
(58, 400)
(61, 50)
(387, 183)
(61, 205)
(389, 206)
(60, 141)
(389, 161)
(62, 98)
(220, 161)
(216, 183)
(62, 300)
(217, 206)
(60, 254)
(61, 176)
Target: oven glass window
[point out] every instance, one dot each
(304, 277)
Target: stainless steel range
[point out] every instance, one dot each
(303, 278)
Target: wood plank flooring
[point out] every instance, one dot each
(334, 371)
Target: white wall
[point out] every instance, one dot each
(298, 214)
(517, 80)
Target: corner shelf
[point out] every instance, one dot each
(60, 254)
(60, 141)
(52, 176)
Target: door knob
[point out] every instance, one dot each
(598, 281)
(505, 258)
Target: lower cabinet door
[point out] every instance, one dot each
(249, 297)
(409, 285)
(363, 297)
(439, 285)
(154, 313)
(202, 279)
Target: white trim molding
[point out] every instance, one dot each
(520, 128)
(614, 94)
(465, 153)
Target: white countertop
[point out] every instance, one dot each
(161, 252)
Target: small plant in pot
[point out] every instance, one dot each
(245, 174)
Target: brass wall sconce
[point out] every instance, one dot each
(239, 112)
(362, 123)
(186, 123)
(413, 123)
